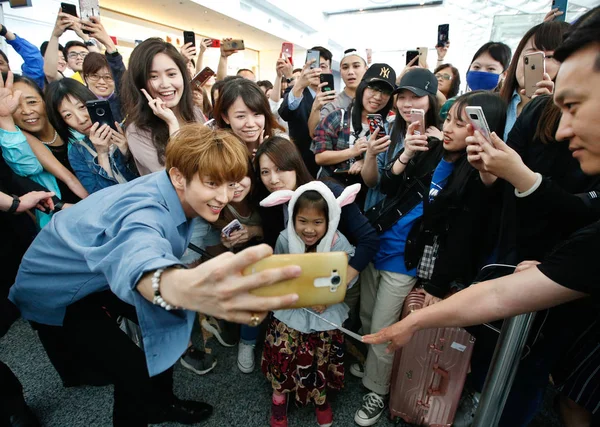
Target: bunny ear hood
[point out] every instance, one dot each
(296, 245)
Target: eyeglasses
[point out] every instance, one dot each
(95, 77)
(443, 76)
(379, 89)
(74, 55)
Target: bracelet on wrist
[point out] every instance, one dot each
(401, 162)
(158, 299)
(15, 204)
(3, 31)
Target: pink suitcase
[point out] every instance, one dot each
(429, 372)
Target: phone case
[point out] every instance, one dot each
(202, 76)
(287, 50)
(89, 8)
(329, 79)
(477, 119)
(234, 45)
(215, 43)
(100, 112)
(376, 121)
(417, 115)
(189, 37)
(313, 54)
(423, 52)
(322, 282)
(410, 55)
(234, 225)
(562, 6)
(534, 71)
(69, 9)
(443, 34)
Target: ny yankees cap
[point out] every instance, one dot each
(381, 73)
(419, 81)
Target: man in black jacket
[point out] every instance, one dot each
(297, 106)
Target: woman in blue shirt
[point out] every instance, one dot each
(99, 155)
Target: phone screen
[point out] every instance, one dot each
(376, 121)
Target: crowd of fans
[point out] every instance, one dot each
(117, 239)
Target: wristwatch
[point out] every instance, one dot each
(15, 204)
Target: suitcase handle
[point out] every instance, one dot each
(442, 384)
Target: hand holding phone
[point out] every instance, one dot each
(234, 225)
(443, 35)
(315, 57)
(376, 121)
(230, 45)
(69, 9)
(287, 51)
(478, 121)
(410, 55)
(322, 282)
(418, 116)
(87, 9)
(189, 37)
(327, 78)
(534, 69)
(202, 77)
(100, 112)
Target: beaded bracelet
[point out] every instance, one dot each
(158, 299)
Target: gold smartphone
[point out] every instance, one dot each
(423, 52)
(534, 65)
(322, 282)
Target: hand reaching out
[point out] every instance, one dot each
(188, 51)
(323, 98)
(225, 53)
(119, 139)
(100, 137)
(377, 145)
(414, 143)
(9, 100)
(550, 16)
(360, 146)
(41, 200)
(544, 87)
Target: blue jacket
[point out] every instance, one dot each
(93, 177)
(33, 62)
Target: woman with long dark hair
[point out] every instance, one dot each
(157, 96)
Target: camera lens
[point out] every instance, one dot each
(526, 60)
(100, 112)
(473, 116)
(335, 280)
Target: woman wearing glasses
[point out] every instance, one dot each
(340, 140)
(448, 79)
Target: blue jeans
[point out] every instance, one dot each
(248, 334)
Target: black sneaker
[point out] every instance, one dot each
(223, 331)
(183, 412)
(198, 361)
(371, 410)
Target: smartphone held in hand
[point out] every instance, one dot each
(417, 115)
(202, 77)
(287, 51)
(87, 9)
(69, 9)
(443, 35)
(376, 121)
(100, 112)
(410, 55)
(315, 56)
(327, 78)
(237, 44)
(535, 67)
(234, 225)
(478, 121)
(322, 282)
(189, 37)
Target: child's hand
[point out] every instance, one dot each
(319, 308)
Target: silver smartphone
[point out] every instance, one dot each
(316, 55)
(477, 119)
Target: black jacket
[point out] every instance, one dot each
(298, 126)
(459, 219)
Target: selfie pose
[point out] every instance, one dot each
(118, 264)
(299, 346)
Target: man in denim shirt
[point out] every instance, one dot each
(117, 252)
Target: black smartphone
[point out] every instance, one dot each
(68, 8)
(189, 37)
(376, 121)
(329, 79)
(443, 35)
(100, 112)
(410, 55)
(316, 55)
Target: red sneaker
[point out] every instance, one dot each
(279, 415)
(324, 415)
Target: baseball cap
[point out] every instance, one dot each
(419, 81)
(381, 73)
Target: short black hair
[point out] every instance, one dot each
(265, 83)
(44, 46)
(497, 50)
(56, 92)
(324, 52)
(583, 32)
(4, 56)
(71, 44)
(311, 199)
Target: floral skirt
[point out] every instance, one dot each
(304, 364)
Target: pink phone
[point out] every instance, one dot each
(418, 115)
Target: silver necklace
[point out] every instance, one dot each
(53, 139)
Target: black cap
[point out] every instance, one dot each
(419, 81)
(381, 73)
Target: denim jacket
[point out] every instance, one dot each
(93, 177)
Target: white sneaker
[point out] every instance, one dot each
(245, 359)
(358, 370)
(371, 410)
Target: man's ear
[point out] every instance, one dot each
(177, 179)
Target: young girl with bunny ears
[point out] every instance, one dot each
(302, 354)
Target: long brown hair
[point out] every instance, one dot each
(135, 103)
(253, 97)
(546, 36)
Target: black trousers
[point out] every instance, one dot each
(91, 327)
(11, 390)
